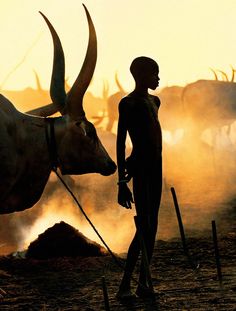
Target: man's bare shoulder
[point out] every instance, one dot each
(126, 102)
(156, 99)
(128, 99)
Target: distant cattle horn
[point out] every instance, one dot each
(105, 90)
(39, 87)
(224, 75)
(118, 83)
(215, 75)
(233, 71)
(74, 101)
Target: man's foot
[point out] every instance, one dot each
(145, 292)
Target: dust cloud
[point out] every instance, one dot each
(202, 171)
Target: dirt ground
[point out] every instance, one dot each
(76, 283)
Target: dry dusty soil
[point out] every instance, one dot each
(76, 283)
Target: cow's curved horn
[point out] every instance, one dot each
(233, 71)
(224, 75)
(118, 83)
(38, 84)
(57, 87)
(105, 90)
(215, 75)
(74, 101)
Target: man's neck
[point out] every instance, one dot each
(140, 90)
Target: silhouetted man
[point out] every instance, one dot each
(138, 116)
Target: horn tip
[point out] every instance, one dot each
(86, 11)
(84, 7)
(42, 14)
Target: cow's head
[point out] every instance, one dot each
(79, 148)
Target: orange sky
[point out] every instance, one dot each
(186, 37)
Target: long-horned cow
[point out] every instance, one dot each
(171, 112)
(31, 146)
(112, 102)
(23, 99)
(210, 103)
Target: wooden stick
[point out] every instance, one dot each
(181, 227)
(144, 252)
(217, 255)
(105, 294)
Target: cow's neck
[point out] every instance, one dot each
(54, 131)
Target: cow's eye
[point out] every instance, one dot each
(78, 123)
(91, 133)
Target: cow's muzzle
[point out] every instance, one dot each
(110, 169)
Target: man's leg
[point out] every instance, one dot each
(149, 223)
(132, 257)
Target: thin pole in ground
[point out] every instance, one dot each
(105, 294)
(181, 227)
(217, 254)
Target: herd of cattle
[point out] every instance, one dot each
(201, 105)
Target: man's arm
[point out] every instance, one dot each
(124, 194)
(121, 139)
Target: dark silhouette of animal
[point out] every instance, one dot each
(31, 146)
(209, 103)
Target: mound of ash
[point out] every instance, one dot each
(63, 240)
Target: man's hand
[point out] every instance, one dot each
(125, 197)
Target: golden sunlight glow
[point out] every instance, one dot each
(105, 222)
(186, 37)
(42, 223)
(172, 138)
(220, 138)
